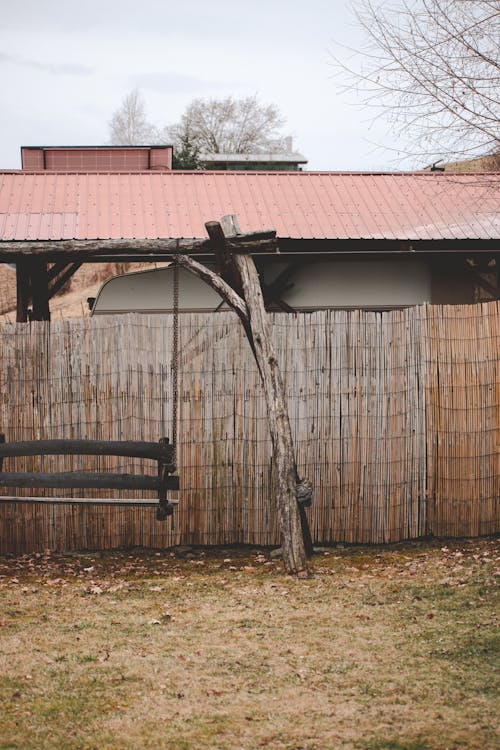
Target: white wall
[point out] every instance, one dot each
(364, 283)
(373, 283)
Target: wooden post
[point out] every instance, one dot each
(39, 289)
(295, 540)
(22, 291)
(294, 553)
(32, 284)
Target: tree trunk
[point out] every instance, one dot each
(294, 552)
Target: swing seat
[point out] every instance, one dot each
(161, 452)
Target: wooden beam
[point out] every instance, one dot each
(39, 289)
(216, 282)
(68, 271)
(61, 447)
(119, 502)
(490, 289)
(87, 480)
(255, 241)
(94, 248)
(272, 292)
(23, 291)
(293, 539)
(223, 260)
(55, 270)
(35, 271)
(351, 247)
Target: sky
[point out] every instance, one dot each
(66, 65)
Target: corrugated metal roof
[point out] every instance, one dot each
(299, 205)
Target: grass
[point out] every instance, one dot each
(382, 649)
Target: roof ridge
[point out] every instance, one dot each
(251, 172)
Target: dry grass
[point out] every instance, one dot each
(72, 301)
(383, 649)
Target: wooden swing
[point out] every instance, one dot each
(163, 452)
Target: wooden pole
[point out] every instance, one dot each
(23, 291)
(296, 541)
(294, 553)
(73, 250)
(39, 289)
(58, 278)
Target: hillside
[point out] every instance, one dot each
(72, 301)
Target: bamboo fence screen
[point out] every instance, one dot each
(395, 418)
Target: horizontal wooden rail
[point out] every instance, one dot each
(124, 502)
(88, 480)
(161, 451)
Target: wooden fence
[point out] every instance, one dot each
(395, 417)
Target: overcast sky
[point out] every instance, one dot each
(67, 64)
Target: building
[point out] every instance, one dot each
(377, 240)
(96, 158)
(276, 160)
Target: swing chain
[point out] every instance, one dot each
(175, 358)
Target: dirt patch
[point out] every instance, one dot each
(383, 648)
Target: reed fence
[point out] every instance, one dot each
(395, 417)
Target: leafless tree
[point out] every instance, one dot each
(236, 126)
(129, 126)
(432, 67)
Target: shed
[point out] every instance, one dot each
(344, 239)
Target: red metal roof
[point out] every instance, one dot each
(299, 205)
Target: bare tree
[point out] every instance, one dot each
(129, 126)
(432, 67)
(235, 126)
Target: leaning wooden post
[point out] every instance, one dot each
(258, 331)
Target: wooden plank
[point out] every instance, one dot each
(87, 480)
(61, 273)
(132, 448)
(76, 249)
(112, 502)
(23, 293)
(39, 289)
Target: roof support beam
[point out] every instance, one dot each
(33, 278)
(32, 286)
(143, 250)
(23, 291)
(65, 273)
(93, 249)
(39, 289)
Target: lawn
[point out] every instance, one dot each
(383, 648)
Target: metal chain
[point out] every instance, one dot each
(175, 359)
